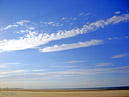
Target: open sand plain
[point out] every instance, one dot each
(64, 93)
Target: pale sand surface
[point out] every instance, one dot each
(65, 93)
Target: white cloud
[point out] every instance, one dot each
(92, 26)
(72, 19)
(74, 61)
(12, 71)
(120, 56)
(21, 71)
(20, 23)
(64, 18)
(104, 64)
(52, 24)
(39, 70)
(33, 39)
(66, 66)
(8, 27)
(117, 19)
(3, 66)
(112, 38)
(109, 38)
(23, 22)
(6, 65)
(11, 63)
(84, 14)
(117, 12)
(25, 74)
(71, 46)
(68, 62)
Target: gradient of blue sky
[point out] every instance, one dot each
(64, 43)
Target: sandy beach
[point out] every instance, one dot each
(64, 93)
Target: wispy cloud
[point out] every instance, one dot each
(69, 19)
(71, 46)
(8, 27)
(23, 22)
(34, 39)
(6, 65)
(11, 63)
(12, 71)
(28, 30)
(64, 18)
(21, 71)
(23, 74)
(51, 24)
(83, 14)
(65, 66)
(117, 12)
(74, 61)
(68, 64)
(2, 66)
(120, 56)
(39, 70)
(113, 38)
(104, 64)
(19, 23)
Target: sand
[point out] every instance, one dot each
(64, 93)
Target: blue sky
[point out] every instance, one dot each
(64, 43)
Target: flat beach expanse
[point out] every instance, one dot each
(64, 93)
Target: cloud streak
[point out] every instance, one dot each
(19, 23)
(6, 65)
(117, 12)
(25, 74)
(104, 64)
(120, 56)
(74, 61)
(52, 24)
(34, 39)
(71, 46)
(21, 71)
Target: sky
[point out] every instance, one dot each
(64, 43)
